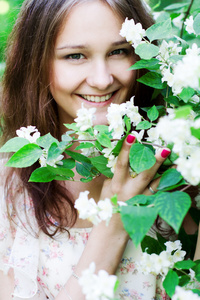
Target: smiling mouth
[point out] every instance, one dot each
(97, 99)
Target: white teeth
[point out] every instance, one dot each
(97, 98)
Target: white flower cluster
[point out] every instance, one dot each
(133, 33)
(186, 146)
(184, 73)
(97, 286)
(160, 264)
(85, 118)
(94, 212)
(182, 294)
(167, 50)
(30, 133)
(115, 117)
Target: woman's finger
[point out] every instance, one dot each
(122, 164)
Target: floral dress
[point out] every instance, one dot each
(42, 265)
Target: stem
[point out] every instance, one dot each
(185, 188)
(113, 140)
(186, 15)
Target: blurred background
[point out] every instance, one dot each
(9, 10)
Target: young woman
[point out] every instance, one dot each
(63, 53)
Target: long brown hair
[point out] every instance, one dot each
(26, 98)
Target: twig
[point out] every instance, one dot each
(113, 140)
(185, 188)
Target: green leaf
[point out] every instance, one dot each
(169, 178)
(103, 129)
(78, 156)
(143, 125)
(151, 245)
(42, 175)
(147, 51)
(104, 140)
(186, 94)
(153, 79)
(197, 270)
(183, 280)
(153, 113)
(83, 169)
(118, 147)
(84, 145)
(195, 132)
(140, 199)
(184, 265)
(159, 30)
(127, 123)
(25, 157)
(172, 207)
(152, 64)
(68, 163)
(196, 24)
(170, 282)
(100, 162)
(175, 58)
(61, 171)
(141, 158)
(72, 126)
(176, 6)
(14, 144)
(46, 141)
(137, 221)
(172, 100)
(53, 152)
(183, 112)
(195, 291)
(113, 199)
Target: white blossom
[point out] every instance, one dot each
(187, 71)
(97, 286)
(138, 134)
(94, 212)
(182, 294)
(105, 209)
(132, 32)
(166, 50)
(153, 136)
(132, 112)
(85, 118)
(189, 25)
(178, 21)
(160, 264)
(30, 133)
(115, 119)
(172, 246)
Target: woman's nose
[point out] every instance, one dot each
(100, 76)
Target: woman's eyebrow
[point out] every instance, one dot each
(117, 43)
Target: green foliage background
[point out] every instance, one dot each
(6, 23)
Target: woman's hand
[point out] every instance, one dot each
(123, 184)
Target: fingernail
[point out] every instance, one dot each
(130, 138)
(165, 153)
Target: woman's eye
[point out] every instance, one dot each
(75, 56)
(119, 52)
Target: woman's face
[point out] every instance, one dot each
(91, 62)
